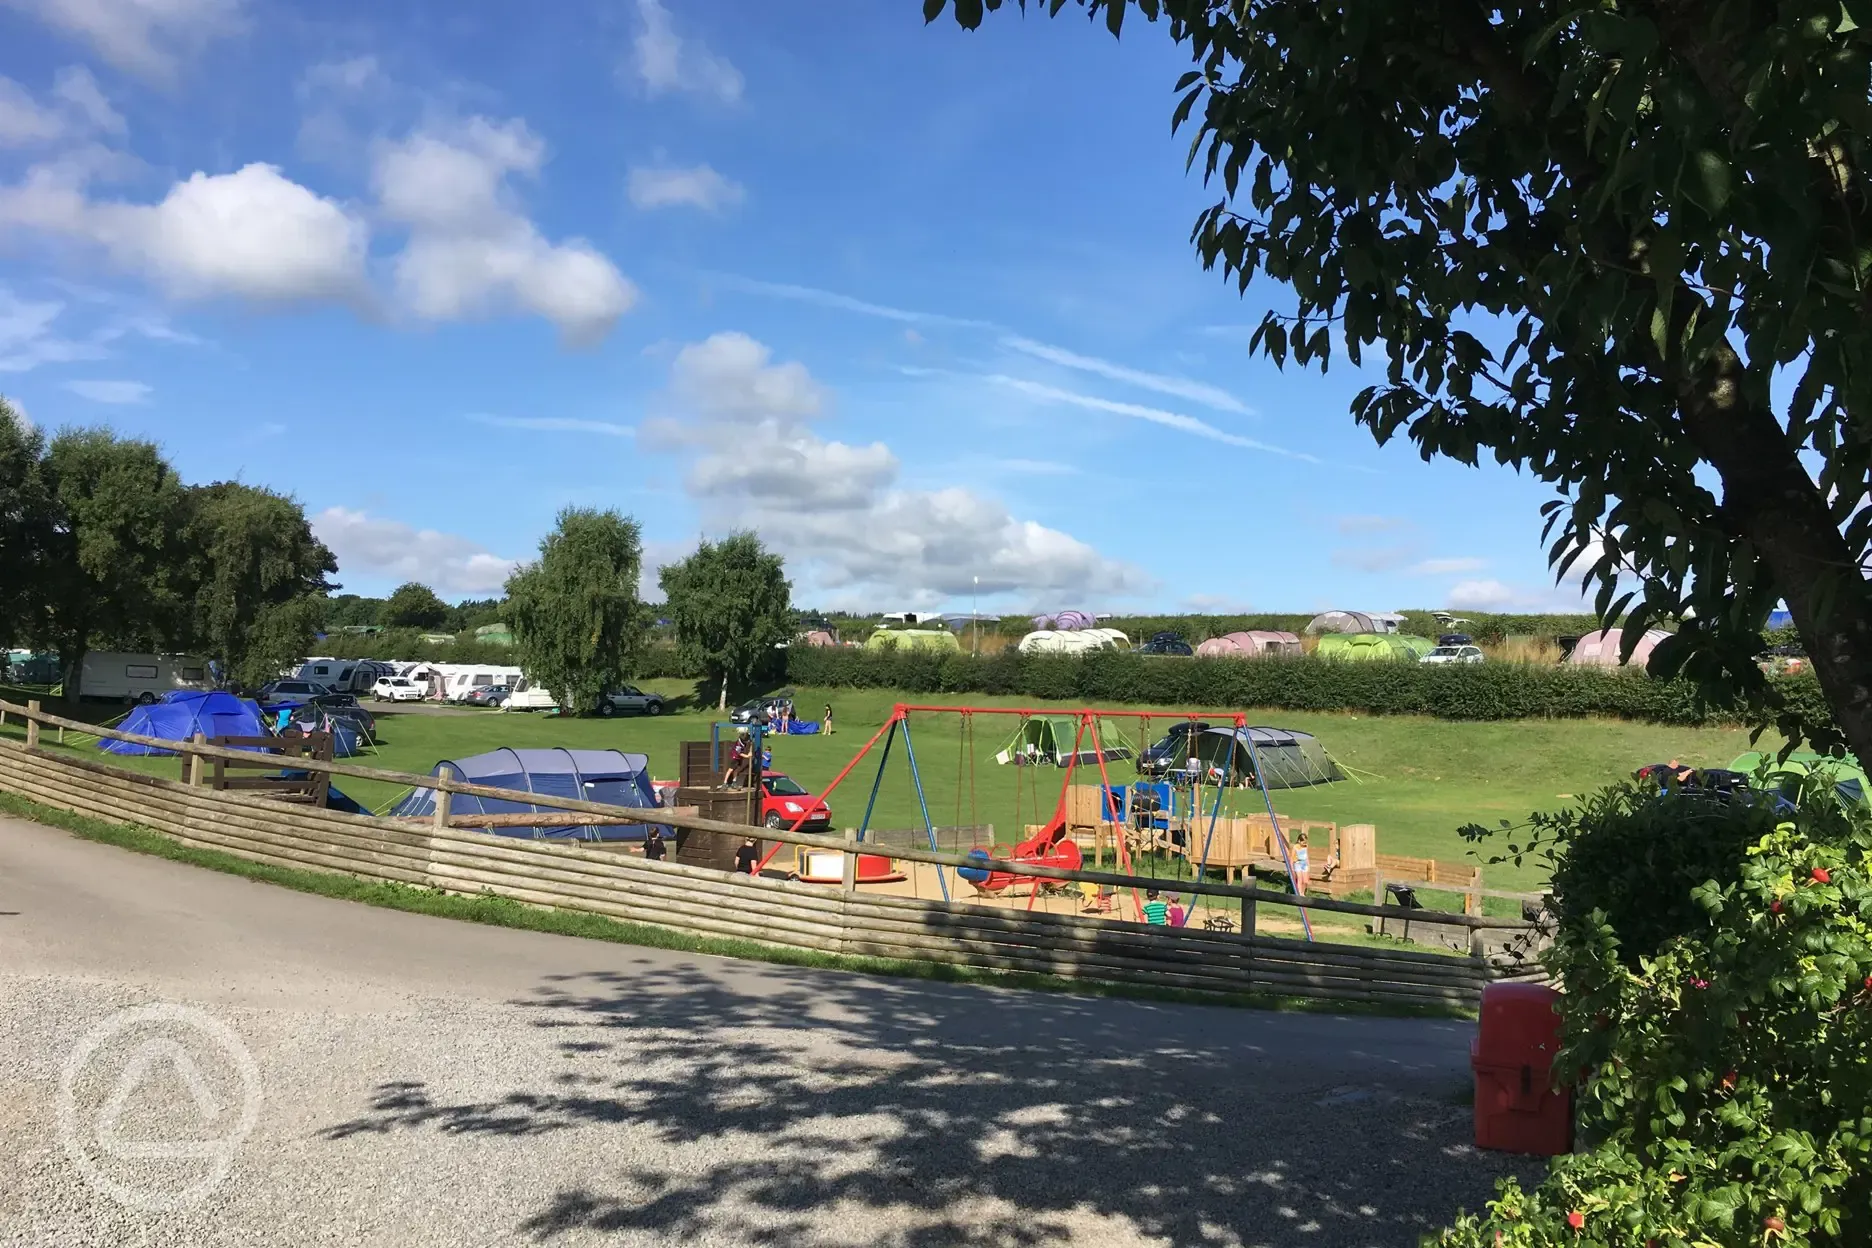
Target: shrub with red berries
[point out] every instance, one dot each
(1728, 1099)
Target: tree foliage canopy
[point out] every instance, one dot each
(731, 606)
(413, 605)
(102, 545)
(577, 620)
(1625, 246)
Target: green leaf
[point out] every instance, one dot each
(1709, 180)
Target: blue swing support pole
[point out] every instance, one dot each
(916, 779)
(1280, 837)
(877, 782)
(1216, 811)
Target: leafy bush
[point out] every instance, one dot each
(1485, 691)
(1728, 1090)
(1637, 860)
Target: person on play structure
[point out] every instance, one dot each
(746, 857)
(654, 848)
(1300, 863)
(1156, 913)
(736, 775)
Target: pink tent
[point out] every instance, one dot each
(1601, 648)
(1249, 645)
(819, 637)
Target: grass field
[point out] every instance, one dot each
(1418, 779)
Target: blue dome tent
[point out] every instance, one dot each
(184, 712)
(590, 775)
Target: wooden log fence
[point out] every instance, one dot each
(437, 853)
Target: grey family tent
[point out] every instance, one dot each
(607, 776)
(1288, 759)
(184, 712)
(1050, 739)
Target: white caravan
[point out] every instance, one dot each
(353, 676)
(527, 696)
(119, 676)
(460, 678)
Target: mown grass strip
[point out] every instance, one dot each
(502, 912)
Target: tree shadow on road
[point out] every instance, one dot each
(794, 1106)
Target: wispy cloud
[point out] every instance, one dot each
(557, 424)
(1156, 416)
(1370, 524)
(1176, 387)
(1037, 467)
(1447, 567)
(116, 392)
(846, 303)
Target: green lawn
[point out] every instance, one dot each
(1418, 779)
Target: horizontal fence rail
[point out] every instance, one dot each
(433, 852)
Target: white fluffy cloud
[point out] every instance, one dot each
(665, 61)
(470, 250)
(698, 187)
(145, 37)
(447, 562)
(113, 392)
(253, 233)
(836, 509)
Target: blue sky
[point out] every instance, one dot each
(917, 305)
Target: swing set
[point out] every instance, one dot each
(1053, 843)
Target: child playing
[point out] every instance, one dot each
(1175, 914)
(1300, 863)
(1156, 913)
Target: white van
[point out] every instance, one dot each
(124, 677)
(527, 696)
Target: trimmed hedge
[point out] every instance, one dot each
(1483, 691)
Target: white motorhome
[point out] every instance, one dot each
(527, 696)
(123, 677)
(459, 678)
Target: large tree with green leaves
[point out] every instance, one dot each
(118, 577)
(256, 575)
(26, 531)
(414, 605)
(731, 607)
(1624, 245)
(577, 619)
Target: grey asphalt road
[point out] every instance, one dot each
(419, 1081)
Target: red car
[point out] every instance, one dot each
(783, 801)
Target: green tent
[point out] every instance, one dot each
(1050, 739)
(1374, 646)
(912, 639)
(1850, 783)
(1289, 759)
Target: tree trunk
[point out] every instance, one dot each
(1770, 500)
(721, 703)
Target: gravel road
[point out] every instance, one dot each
(415, 1081)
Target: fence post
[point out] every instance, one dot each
(32, 723)
(1377, 899)
(1472, 897)
(848, 863)
(441, 809)
(195, 763)
(1247, 916)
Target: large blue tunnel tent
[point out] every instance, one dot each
(184, 712)
(590, 775)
